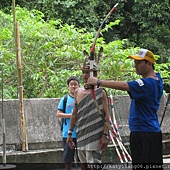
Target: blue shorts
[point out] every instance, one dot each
(68, 155)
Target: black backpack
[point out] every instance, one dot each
(62, 120)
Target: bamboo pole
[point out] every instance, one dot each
(19, 66)
(23, 124)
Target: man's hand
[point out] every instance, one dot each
(103, 143)
(92, 81)
(70, 142)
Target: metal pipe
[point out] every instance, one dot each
(3, 124)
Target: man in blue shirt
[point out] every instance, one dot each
(68, 155)
(146, 135)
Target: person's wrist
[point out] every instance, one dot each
(70, 132)
(106, 136)
(98, 83)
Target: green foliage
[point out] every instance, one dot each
(74, 12)
(144, 23)
(53, 51)
(147, 23)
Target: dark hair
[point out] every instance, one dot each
(146, 61)
(73, 78)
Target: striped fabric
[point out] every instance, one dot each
(89, 122)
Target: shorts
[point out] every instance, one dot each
(68, 154)
(146, 148)
(90, 156)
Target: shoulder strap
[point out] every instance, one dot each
(64, 103)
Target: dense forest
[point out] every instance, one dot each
(143, 23)
(55, 33)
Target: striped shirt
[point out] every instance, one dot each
(89, 122)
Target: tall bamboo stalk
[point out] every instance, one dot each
(23, 124)
(19, 66)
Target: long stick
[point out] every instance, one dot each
(117, 150)
(123, 149)
(23, 124)
(114, 117)
(167, 102)
(18, 56)
(114, 125)
(115, 113)
(3, 123)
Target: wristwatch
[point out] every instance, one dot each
(106, 136)
(98, 83)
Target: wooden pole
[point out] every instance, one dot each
(23, 124)
(19, 66)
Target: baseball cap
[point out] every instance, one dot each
(143, 54)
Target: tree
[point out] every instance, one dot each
(53, 51)
(148, 23)
(144, 23)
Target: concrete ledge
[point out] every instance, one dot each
(36, 156)
(55, 155)
(43, 131)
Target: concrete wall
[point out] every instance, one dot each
(41, 122)
(43, 130)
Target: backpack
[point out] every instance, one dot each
(62, 120)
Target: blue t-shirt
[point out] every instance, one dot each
(145, 94)
(68, 109)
